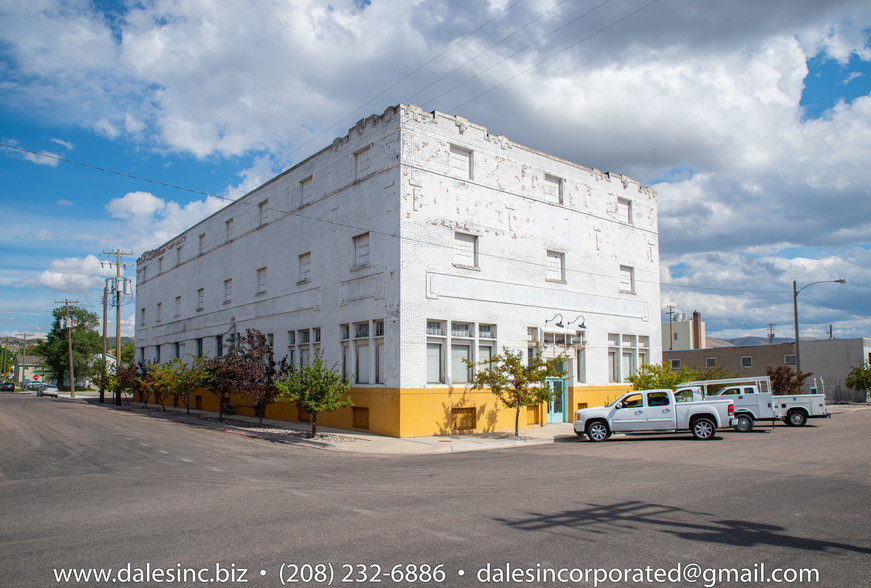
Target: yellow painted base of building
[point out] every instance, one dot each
(420, 412)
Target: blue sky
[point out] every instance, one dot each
(750, 120)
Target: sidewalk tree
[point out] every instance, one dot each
(785, 381)
(859, 378)
(257, 370)
(514, 383)
(86, 343)
(126, 380)
(314, 387)
(189, 379)
(102, 373)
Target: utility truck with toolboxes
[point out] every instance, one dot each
(657, 411)
(754, 401)
(751, 396)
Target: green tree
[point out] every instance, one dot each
(651, 377)
(101, 374)
(859, 378)
(785, 381)
(314, 387)
(86, 343)
(188, 380)
(514, 383)
(161, 381)
(128, 350)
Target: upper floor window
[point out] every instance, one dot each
(305, 191)
(261, 280)
(461, 163)
(228, 230)
(361, 250)
(627, 279)
(556, 266)
(263, 213)
(305, 266)
(465, 250)
(362, 163)
(624, 211)
(553, 189)
(201, 244)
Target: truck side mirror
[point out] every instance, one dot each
(621, 405)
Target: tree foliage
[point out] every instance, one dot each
(859, 378)
(651, 377)
(784, 381)
(55, 349)
(314, 387)
(514, 383)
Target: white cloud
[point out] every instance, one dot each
(64, 202)
(63, 143)
(74, 275)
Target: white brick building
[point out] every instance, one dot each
(416, 240)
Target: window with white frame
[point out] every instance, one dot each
(625, 354)
(746, 361)
(628, 357)
(305, 191)
(486, 342)
(178, 257)
(624, 211)
(643, 350)
(177, 306)
(228, 291)
(159, 265)
(461, 351)
(362, 163)
(378, 344)
(142, 316)
(532, 342)
(344, 340)
(461, 163)
(556, 266)
(261, 280)
(263, 213)
(627, 279)
(465, 250)
(435, 345)
(581, 356)
(228, 230)
(613, 357)
(553, 189)
(201, 244)
(361, 352)
(361, 250)
(304, 263)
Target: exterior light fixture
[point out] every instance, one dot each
(795, 293)
(559, 324)
(582, 319)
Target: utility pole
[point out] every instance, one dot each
(118, 290)
(670, 335)
(105, 312)
(771, 332)
(69, 323)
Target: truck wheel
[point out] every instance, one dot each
(796, 418)
(598, 431)
(704, 428)
(744, 424)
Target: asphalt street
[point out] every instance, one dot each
(89, 487)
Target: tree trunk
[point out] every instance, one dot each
(262, 411)
(314, 425)
(517, 422)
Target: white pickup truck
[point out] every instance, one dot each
(656, 411)
(751, 396)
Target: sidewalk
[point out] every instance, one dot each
(344, 440)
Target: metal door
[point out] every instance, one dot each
(556, 408)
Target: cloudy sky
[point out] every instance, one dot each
(122, 123)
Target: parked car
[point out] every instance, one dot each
(652, 411)
(47, 390)
(33, 385)
(7, 387)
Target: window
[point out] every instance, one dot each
(710, 362)
(361, 250)
(553, 189)
(201, 295)
(361, 357)
(643, 350)
(361, 330)
(219, 346)
(627, 359)
(624, 211)
(465, 250)
(613, 358)
(627, 279)
(305, 265)
(199, 347)
(178, 255)
(261, 280)
(361, 163)
(675, 364)
(228, 230)
(142, 316)
(789, 360)
(459, 329)
(228, 291)
(746, 361)
(159, 265)
(434, 368)
(159, 312)
(201, 244)
(556, 266)
(176, 349)
(435, 328)
(305, 191)
(177, 306)
(461, 163)
(460, 371)
(263, 213)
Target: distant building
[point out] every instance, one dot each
(415, 242)
(28, 367)
(684, 333)
(830, 361)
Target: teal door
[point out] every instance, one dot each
(556, 408)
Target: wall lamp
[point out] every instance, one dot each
(559, 324)
(583, 322)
